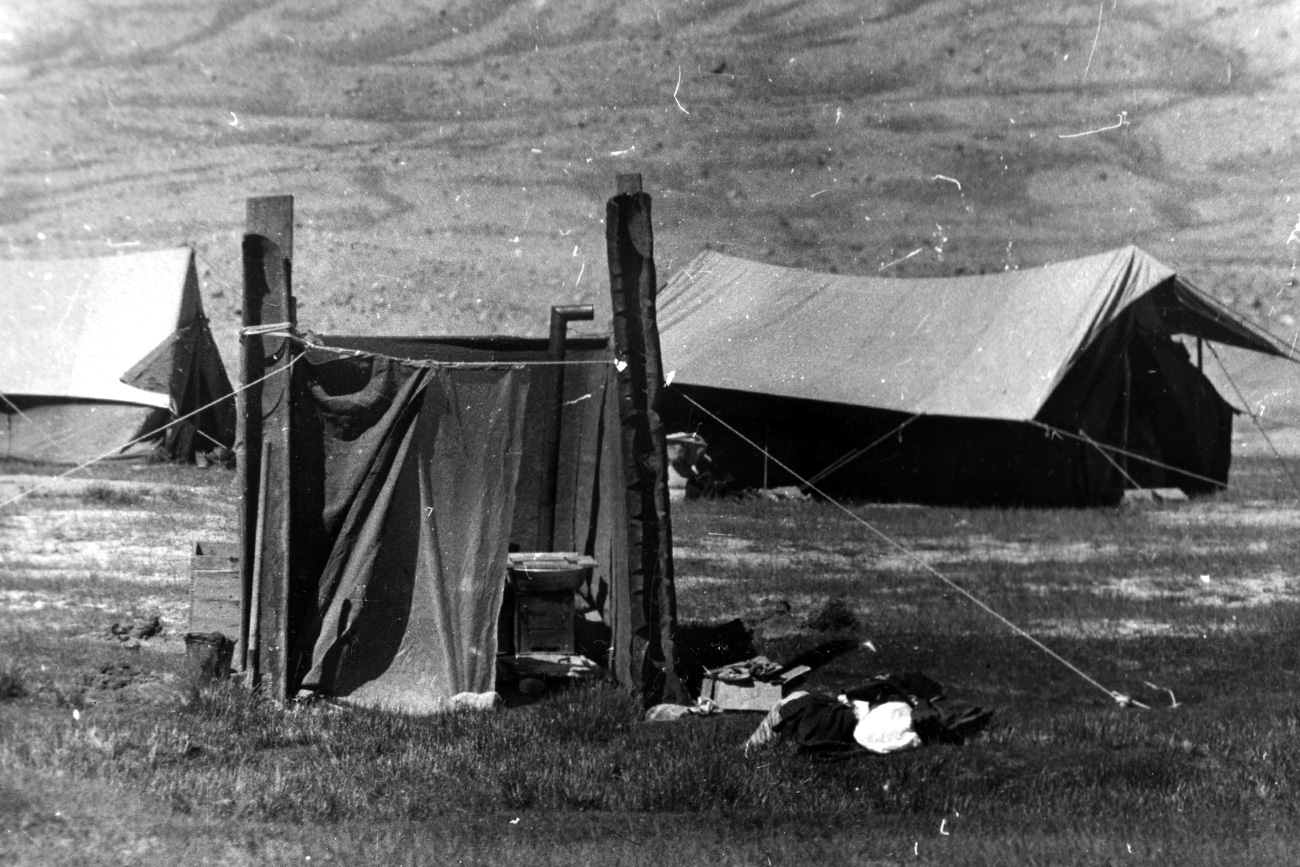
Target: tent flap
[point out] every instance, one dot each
(1192, 312)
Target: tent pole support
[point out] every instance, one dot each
(1128, 408)
(248, 454)
(268, 297)
(252, 670)
(244, 451)
(630, 244)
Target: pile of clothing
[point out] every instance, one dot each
(885, 715)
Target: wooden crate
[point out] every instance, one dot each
(215, 589)
(544, 621)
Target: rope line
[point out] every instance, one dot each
(848, 458)
(297, 338)
(424, 362)
(1118, 697)
(272, 330)
(1114, 463)
(1259, 424)
(210, 439)
(52, 479)
(27, 418)
(268, 328)
(1106, 447)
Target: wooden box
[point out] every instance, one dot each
(215, 589)
(544, 621)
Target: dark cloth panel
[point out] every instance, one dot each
(410, 483)
(419, 470)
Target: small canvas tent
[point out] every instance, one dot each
(98, 353)
(388, 478)
(1055, 385)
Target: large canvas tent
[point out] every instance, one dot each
(1055, 385)
(386, 480)
(96, 354)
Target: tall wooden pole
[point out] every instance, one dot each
(630, 242)
(264, 417)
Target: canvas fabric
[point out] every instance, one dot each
(405, 610)
(134, 352)
(989, 346)
(411, 483)
(963, 386)
(61, 431)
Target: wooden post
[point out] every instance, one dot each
(248, 451)
(630, 242)
(265, 417)
(255, 596)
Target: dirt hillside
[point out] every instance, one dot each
(450, 160)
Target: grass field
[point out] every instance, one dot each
(115, 754)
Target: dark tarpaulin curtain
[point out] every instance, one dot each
(406, 476)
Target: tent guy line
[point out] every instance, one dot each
(25, 417)
(1114, 463)
(848, 458)
(1118, 697)
(1253, 417)
(1105, 448)
(1078, 437)
(106, 455)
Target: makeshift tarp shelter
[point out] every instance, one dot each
(387, 479)
(411, 483)
(99, 353)
(1054, 385)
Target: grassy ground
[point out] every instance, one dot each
(114, 752)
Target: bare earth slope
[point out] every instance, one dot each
(450, 160)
